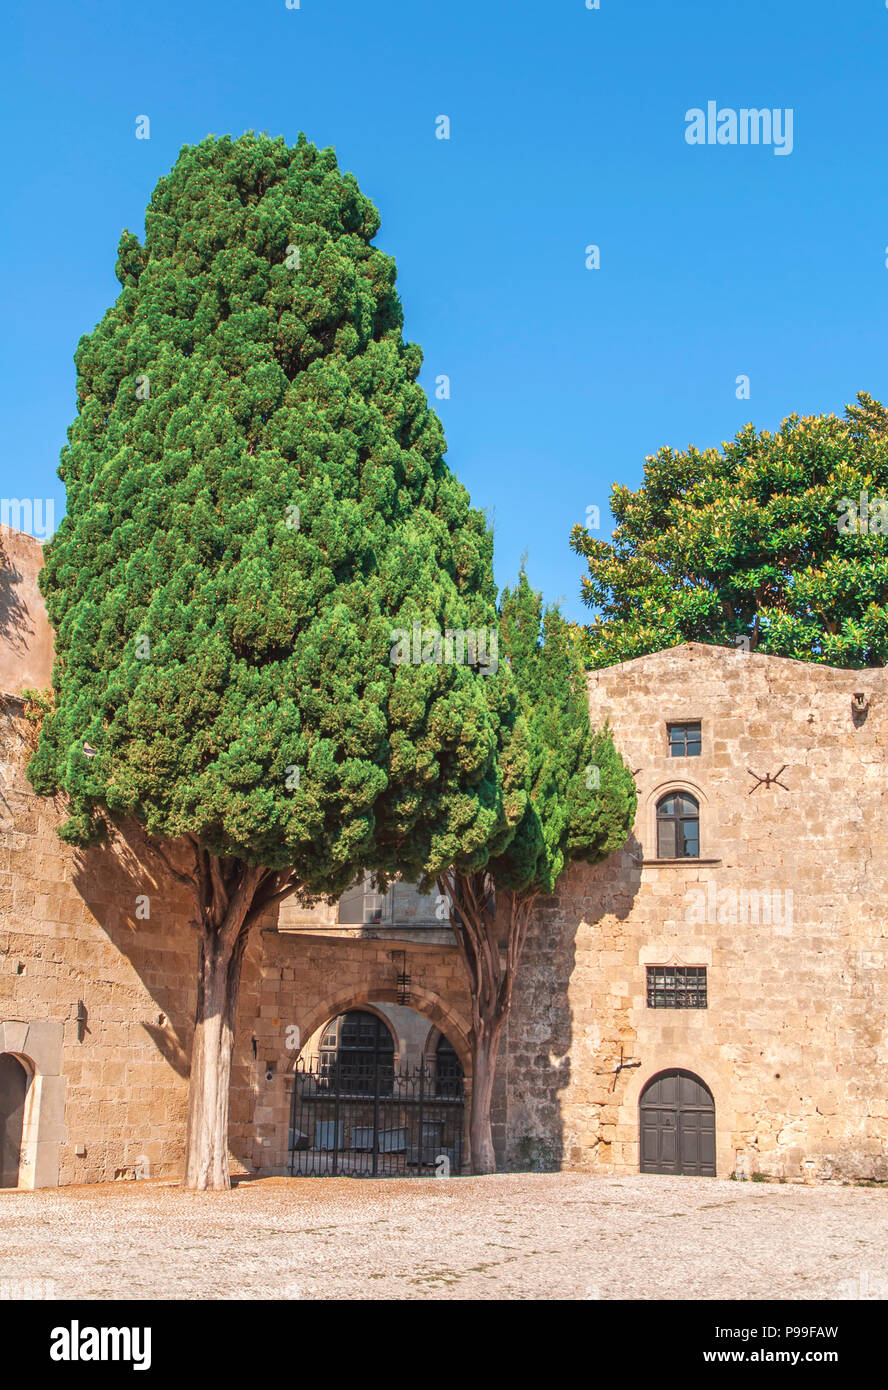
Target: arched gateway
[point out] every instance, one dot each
(677, 1125)
(357, 1110)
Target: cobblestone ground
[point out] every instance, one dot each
(561, 1235)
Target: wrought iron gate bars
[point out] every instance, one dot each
(350, 1119)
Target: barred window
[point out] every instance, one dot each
(354, 1047)
(684, 740)
(676, 986)
(448, 1069)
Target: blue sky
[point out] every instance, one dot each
(567, 129)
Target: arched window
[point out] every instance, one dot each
(678, 827)
(448, 1069)
(357, 1045)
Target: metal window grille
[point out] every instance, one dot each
(684, 740)
(448, 1069)
(359, 1049)
(676, 986)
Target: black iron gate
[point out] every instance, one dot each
(358, 1120)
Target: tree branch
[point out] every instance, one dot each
(187, 880)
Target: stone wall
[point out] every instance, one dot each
(106, 934)
(97, 955)
(25, 634)
(793, 1044)
(98, 965)
(71, 943)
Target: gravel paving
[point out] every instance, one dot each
(515, 1236)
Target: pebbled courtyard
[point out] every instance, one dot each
(520, 1236)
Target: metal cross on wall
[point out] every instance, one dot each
(767, 780)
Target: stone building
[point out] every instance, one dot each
(739, 938)
(709, 1000)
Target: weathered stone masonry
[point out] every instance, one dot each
(793, 1045)
(97, 1000)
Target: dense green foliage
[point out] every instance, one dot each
(752, 542)
(581, 796)
(256, 497)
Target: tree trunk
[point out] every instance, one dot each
(485, 1045)
(206, 1143)
(231, 896)
(490, 938)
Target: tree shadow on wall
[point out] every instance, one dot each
(543, 1042)
(16, 622)
(119, 883)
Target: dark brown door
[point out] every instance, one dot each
(677, 1125)
(13, 1089)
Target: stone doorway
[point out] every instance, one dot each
(13, 1094)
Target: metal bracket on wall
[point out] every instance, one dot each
(81, 1018)
(767, 780)
(615, 1071)
(403, 977)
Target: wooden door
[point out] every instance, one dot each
(677, 1125)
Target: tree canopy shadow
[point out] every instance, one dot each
(118, 881)
(543, 1038)
(17, 621)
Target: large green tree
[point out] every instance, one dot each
(257, 499)
(578, 805)
(776, 542)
